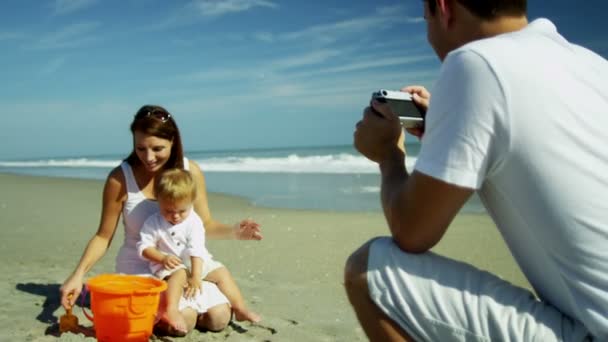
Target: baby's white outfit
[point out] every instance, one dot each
(184, 240)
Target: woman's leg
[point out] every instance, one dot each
(215, 319)
(224, 281)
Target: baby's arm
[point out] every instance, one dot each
(169, 261)
(195, 283)
(146, 246)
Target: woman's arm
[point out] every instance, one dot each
(244, 230)
(114, 194)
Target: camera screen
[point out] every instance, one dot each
(404, 108)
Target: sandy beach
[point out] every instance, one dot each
(293, 277)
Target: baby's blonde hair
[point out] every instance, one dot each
(175, 185)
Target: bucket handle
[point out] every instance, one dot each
(83, 294)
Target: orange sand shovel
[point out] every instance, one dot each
(68, 322)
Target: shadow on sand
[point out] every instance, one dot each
(52, 302)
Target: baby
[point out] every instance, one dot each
(173, 240)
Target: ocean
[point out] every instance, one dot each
(334, 178)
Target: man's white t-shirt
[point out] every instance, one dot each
(523, 119)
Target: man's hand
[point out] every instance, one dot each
(378, 133)
(422, 98)
(171, 261)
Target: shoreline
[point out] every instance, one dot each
(293, 277)
(293, 201)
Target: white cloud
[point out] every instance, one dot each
(10, 36)
(61, 7)
(400, 10)
(197, 10)
(351, 26)
(214, 8)
(67, 37)
(320, 94)
(311, 58)
(219, 75)
(383, 18)
(378, 63)
(53, 65)
(324, 72)
(265, 37)
(261, 71)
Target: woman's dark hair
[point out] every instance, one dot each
(489, 9)
(157, 121)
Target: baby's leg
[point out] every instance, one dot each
(175, 289)
(222, 277)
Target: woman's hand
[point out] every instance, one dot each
(70, 291)
(193, 287)
(247, 230)
(422, 98)
(171, 261)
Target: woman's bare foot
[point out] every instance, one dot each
(175, 320)
(246, 315)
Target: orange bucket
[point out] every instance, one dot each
(124, 306)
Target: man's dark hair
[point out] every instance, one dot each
(489, 9)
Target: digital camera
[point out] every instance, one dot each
(401, 103)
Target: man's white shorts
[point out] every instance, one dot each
(434, 298)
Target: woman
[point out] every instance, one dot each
(129, 191)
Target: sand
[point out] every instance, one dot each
(293, 278)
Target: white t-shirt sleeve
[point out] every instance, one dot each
(463, 122)
(147, 235)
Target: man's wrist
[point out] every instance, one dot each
(394, 163)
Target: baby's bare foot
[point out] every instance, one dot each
(175, 319)
(246, 315)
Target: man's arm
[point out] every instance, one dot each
(418, 208)
(460, 130)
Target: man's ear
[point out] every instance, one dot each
(445, 12)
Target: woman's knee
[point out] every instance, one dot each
(215, 319)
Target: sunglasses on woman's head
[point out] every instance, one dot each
(155, 113)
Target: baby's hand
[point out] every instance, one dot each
(193, 287)
(171, 261)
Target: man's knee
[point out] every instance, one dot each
(215, 319)
(355, 271)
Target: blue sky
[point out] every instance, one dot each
(234, 73)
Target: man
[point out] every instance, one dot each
(520, 116)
